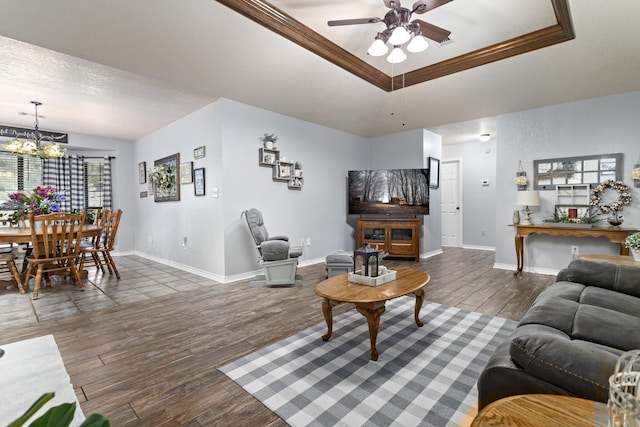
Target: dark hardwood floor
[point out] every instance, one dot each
(144, 351)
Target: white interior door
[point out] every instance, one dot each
(451, 203)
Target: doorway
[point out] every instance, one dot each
(451, 203)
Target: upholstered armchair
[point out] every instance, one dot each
(279, 259)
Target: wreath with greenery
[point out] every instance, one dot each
(624, 196)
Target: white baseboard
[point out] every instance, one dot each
(431, 254)
(208, 274)
(512, 267)
(480, 248)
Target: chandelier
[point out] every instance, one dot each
(32, 147)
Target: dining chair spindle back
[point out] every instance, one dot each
(55, 240)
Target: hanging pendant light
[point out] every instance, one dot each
(399, 36)
(378, 48)
(32, 147)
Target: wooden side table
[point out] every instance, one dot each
(614, 259)
(542, 410)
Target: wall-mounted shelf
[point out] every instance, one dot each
(282, 170)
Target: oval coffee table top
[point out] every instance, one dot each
(338, 288)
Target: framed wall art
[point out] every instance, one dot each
(166, 180)
(198, 181)
(142, 173)
(199, 152)
(434, 172)
(186, 173)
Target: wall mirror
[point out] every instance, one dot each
(548, 173)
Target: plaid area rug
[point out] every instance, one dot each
(423, 377)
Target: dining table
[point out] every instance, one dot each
(22, 234)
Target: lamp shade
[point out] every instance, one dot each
(417, 44)
(378, 48)
(396, 56)
(528, 198)
(399, 36)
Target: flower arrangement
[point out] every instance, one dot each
(632, 241)
(42, 200)
(521, 180)
(164, 177)
(624, 197)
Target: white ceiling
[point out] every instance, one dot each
(123, 69)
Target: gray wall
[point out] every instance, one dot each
(220, 245)
(477, 162)
(596, 126)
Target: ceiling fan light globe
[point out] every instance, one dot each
(417, 44)
(399, 36)
(396, 56)
(378, 48)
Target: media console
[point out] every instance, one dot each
(400, 237)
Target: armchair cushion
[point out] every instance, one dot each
(274, 250)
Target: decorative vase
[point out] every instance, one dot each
(516, 217)
(615, 220)
(636, 254)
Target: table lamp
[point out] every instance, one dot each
(526, 199)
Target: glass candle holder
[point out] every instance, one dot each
(624, 391)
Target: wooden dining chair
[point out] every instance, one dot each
(8, 269)
(91, 247)
(55, 239)
(103, 245)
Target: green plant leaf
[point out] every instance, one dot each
(58, 416)
(33, 409)
(96, 420)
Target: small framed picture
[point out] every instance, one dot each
(142, 173)
(199, 152)
(198, 181)
(186, 173)
(434, 172)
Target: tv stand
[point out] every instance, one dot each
(400, 237)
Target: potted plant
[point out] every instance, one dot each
(269, 141)
(297, 168)
(632, 242)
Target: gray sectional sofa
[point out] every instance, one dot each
(568, 342)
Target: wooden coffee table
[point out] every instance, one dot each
(542, 410)
(370, 300)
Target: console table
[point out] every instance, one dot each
(613, 234)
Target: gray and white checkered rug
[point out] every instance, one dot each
(423, 377)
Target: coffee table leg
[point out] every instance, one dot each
(373, 320)
(419, 300)
(328, 316)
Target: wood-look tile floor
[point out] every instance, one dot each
(144, 350)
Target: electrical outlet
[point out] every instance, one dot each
(150, 238)
(308, 241)
(575, 251)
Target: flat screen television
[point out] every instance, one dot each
(389, 192)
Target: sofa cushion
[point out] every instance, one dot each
(557, 313)
(612, 300)
(607, 327)
(619, 278)
(582, 368)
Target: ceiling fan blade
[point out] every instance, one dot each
(353, 21)
(432, 32)
(422, 6)
(392, 3)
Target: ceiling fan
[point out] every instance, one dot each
(400, 29)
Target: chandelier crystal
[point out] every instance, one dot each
(33, 147)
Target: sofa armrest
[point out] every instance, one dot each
(581, 367)
(619, 278)
(283, 238)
